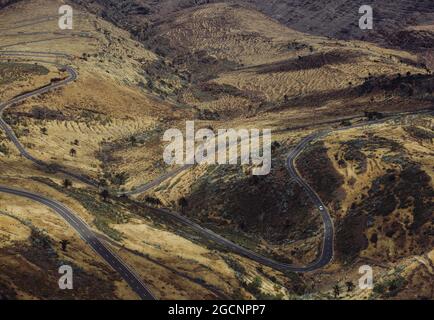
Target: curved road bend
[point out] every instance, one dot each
(326, 255)
(73, 220)
(328, 238)
(91, 239)
(72, 76)
(327, 250)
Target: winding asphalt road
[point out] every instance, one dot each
(325, 257)
(90, 238)
(327, 250)
(71, 218)
(72, 76)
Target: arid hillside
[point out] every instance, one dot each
(336, 19)
(295, 67)
(399, 24)
(379, 183)
(241, 58)
(111, 107)
(339, 18)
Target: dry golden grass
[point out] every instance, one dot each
(106, 106)
(12, 89)
(18, 215)
(177, 256)
(274, 61)
(418, 150)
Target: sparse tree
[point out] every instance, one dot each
(105, 194)
(153, 201)
(183, 203)
(133, 140)
(350, 286)
(72, 152)
(64, 244)
(336, 291)
(103, 183)
(275, 145)
(120, 178)
(44, 130)
(67, 183)
(76, 142)
(255, 286)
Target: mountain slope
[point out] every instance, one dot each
(146, 66)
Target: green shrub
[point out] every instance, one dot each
(4, 149)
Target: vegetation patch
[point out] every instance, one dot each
(12, 71)
(40, 252)
(419, 133)
(389, 288)
(408, 188)
(4, 149)
(316, 167)
(105, 213)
